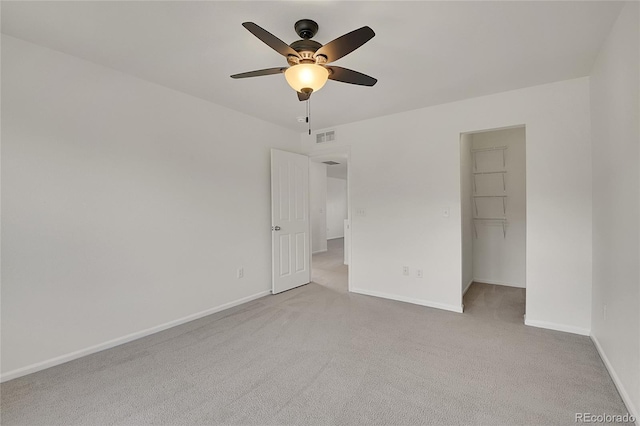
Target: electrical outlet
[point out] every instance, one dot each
(419, 273)
(405, 270)
(361, 212)
(240, 272)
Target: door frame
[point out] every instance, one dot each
(344, 152)
(526, 162)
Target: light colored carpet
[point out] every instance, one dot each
(328, 268)
(320, 355)
(495, 302)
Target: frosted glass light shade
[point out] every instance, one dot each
(306, 76)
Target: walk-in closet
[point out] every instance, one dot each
(493, 201)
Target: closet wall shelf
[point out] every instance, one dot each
(490, 173)
(492, 148)
(501, 172)
(495, 148)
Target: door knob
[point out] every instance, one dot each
(276, 228)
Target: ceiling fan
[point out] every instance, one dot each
(308, 70)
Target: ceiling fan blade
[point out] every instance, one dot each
(270, 40)
(258, 73)
(346, 75)
(345, 44)
(303, 96)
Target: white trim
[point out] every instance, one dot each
(486, 281)
(557, 327)
(616, 380)
(319, 251)
(515, 126)
(23, 371)
(467, 287)
(421, 302)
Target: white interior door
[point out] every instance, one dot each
(290, 230)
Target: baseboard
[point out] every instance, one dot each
(506, 284)
(557, 327)
(633, 410)
(467, 287)
(421, 302)
(23, 371)
(318, 251)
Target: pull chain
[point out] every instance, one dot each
(309, 114)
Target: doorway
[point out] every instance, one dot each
(493, 215)
(330, 230)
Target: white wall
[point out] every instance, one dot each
(616, 210)
(318, 206)
(403, 200)
(336, 207)
(126, 206)
(499, 258)
(466, 212)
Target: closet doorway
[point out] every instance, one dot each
(493, 204)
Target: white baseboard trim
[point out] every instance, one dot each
(318, 251)
(506, 284)
(557, 327)
(633, 410)
(421, 302)
(23, 371)
(467, 287)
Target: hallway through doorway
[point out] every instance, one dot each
(328, 267)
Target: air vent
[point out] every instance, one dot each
(331, 163)
(328, 136)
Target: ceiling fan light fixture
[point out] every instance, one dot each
(307, 72)
(303, 77)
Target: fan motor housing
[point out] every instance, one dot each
(306, 48)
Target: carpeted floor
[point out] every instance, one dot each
(320, 355)
(328, 268)
(495, 302)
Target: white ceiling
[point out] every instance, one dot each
(424, 53)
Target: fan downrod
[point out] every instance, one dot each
(306, 28)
